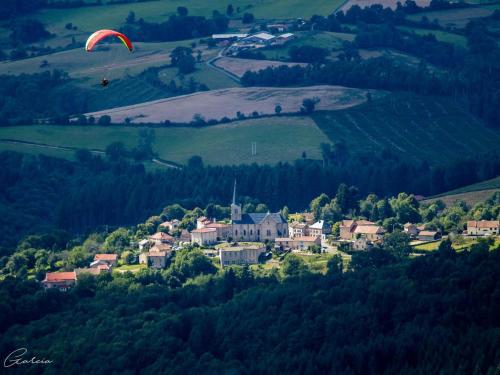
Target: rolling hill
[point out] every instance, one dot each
(470, 194)
(416, 127)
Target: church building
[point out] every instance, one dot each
(256, 227)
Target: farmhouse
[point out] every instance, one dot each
(240, 254)
(483, 227)
(171, 226)
(60, 280)
(278, 27)
(428, 235)
(204, 236)
(109, 259)
(411, 229)
(297, 243)
(348, 229)
(262, 38)
(361, 244)
(284, 38)
(370, 232)
(155, 259)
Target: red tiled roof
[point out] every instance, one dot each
(103, 267)
(483, 224)
(369, 229)
(427, 233)
(204, 230)
(108, 257)
(60, 276)
(306, 238)
(162, 236)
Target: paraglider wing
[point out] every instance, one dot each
(102, 34)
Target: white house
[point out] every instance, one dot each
(204, 236)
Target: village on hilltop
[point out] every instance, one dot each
(252, 238)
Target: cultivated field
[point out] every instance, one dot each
(470, 194)
(453, 17)
(213, 78)
(278, 139)
(227, 102)
(418, 128)
(386, 3)
(238, 67)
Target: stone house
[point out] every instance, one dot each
(483, 227)
(240, 254)
(204, 236)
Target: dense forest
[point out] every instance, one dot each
(383, 315)
(37, 193)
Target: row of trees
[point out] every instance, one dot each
(94, 191)
(178, 27)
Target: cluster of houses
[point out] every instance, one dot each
(358, 235)
(254, 228)
(241, 42)
(65, 280)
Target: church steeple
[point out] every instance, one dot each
(234, 192)
(235, 208)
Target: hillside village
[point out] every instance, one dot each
(251, 238)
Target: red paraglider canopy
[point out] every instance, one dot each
(102, 34)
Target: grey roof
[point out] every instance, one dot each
(257, 218)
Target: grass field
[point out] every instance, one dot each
(212, 78)
(419, 128)
(470, 194)
(442, 36)
(227, 102)
(323, 39)
(278, 139)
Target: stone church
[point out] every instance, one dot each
(256, 227)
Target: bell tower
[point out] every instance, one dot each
(235, 208)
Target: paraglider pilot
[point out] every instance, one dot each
(104, 82)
